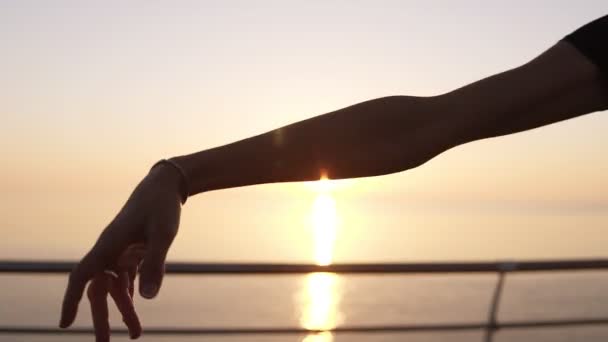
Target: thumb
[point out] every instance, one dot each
(152, 268)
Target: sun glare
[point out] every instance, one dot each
(321, 289)
(325, 185)
(324, 225)
(324, 222)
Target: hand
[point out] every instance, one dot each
(150, 217)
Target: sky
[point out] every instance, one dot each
(93, 93)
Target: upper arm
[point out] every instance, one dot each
(559, 84)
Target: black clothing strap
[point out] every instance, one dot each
(592, 41)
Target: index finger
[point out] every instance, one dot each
(79, 277)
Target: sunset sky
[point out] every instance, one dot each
(92, 94)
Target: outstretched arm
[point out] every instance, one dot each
(396, 133)
(372, 138)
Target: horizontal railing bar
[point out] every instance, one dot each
(346, 329)
(272, 268)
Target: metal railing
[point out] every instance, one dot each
(490, 326)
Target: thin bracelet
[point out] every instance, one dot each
(184, 184)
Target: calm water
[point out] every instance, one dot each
(323, 225)
(319, 301)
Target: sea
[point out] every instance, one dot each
(298, 228)
(326, 301)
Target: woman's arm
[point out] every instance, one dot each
(396, 133)
(372, 138)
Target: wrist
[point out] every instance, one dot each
(174, 176)
(192, 170)
(204, 171)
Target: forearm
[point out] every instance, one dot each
(367, 139)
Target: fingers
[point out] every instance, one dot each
(79, 277)
(97, 294)
(130, 261)
(119, 288)
(152, 269)
(91, 264)
(103, 253)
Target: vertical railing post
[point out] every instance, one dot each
(492, 326)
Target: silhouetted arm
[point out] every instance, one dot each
(396, 133)
(372, 138)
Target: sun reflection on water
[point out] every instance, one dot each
(320, 311)
(321, 291)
